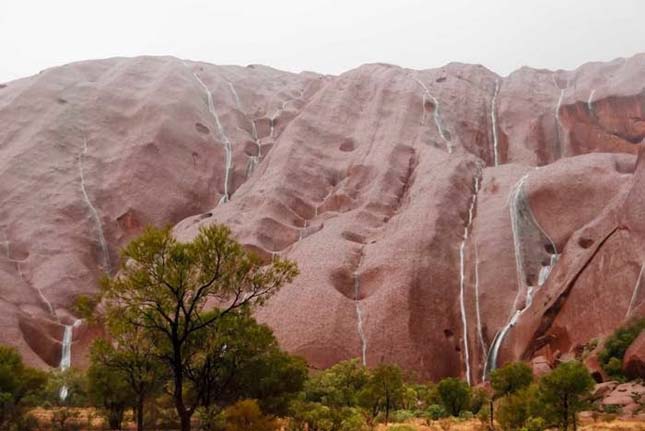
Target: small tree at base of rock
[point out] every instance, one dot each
(565, 390)
(163, 286)
(17, 384)
(384, 390)
(455, 395)
(508, 380)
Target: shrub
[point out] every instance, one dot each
(246, 415)
(435, 412)
(535, 424)
(616, 345)
(66, 419)
(402, 415)
(455, 395)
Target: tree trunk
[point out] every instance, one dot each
(184, 421)
(387, 411)
(565, 413)
(492, 419)
(140, 402)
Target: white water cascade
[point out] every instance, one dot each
(480, 332)
(528, 237)
(632, 302)
(590, 101)
(359, 312)
(66, 354)
(462, 277)
(275, 116)
(220, 131)
(303, 230)
(435, 113)
(94, 213)
(41, 295)
(493, 121)
(559, 127)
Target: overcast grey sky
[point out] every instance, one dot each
(327, 36)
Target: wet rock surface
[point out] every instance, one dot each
(447, 219)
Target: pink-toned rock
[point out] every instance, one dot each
(634, 359)
(626, 396)
(421, 231)
(540, 366)
(602, 389)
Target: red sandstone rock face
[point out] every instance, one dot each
(411, 200)
(634, 360)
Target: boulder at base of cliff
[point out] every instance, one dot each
(634, 359)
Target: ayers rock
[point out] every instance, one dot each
(447, 220)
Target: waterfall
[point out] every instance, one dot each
(491, 362)
(235, 96)
(302, 231)
(359, 314)
(41, 295)
(66, 354)
(276, 114)
(462, 277)
(590, 102)
(559, 127)
(480, 332)
(635, 292)
(528, 237)
(254, 160)
(94, 213)
(435, 113)
(493, 120)
(222, 135)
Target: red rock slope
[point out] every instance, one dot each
(443, 219)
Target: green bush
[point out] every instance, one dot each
(435, 412)
(535, 424)
(611, 409)
(402, 415)
(611, 357)
(455, 395)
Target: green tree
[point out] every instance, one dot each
(565, 391)
(108, 389)
(18, 384)
(338, 386)
(507, 380)
(383, 391)
(319, 417)
(240, 359)
(454, 394)
(128, 360)
(163, 286)
(517, 408)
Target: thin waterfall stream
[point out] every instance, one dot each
(222, 135)
(435, 113)
(359, 311)
(493, 121)
(590, 101)
(528, 237)
(462, 276)
(66, 355)
(635, 292)
(93, 212)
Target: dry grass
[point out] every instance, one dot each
(475, 425)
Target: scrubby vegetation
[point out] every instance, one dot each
(611, 357)
(170, 362)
